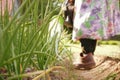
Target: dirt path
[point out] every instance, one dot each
(107, 68)
(105, 65)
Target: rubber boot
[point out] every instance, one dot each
(87, 61)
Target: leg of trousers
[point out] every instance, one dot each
(88, 45)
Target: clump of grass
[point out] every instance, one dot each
(25, 42)
(111, 77)
(109, 42)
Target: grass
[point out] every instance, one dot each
(24, 43)
(109, 42)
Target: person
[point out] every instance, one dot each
(69, 13)
(94, 20)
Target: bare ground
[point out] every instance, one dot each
(107, 65)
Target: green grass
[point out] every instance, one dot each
(24, 43)
(109, 42)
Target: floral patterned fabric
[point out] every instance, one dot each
(96, 19)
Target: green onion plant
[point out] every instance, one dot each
(25, 40)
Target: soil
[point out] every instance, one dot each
(107, 67)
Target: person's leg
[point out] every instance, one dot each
(88, 48)
(88, 45)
